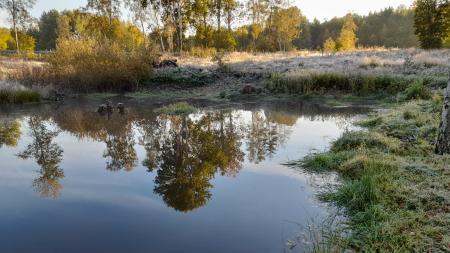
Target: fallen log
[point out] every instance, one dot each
(443, 140)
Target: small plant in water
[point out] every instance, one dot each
(181, 108)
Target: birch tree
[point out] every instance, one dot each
(19, 14)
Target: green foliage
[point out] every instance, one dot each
(8, 96)
(389, 28)
(48, 30)
(417, 90)
(286, 24)
(85, 25)
(224, 40)
(5, 36)
(26, 42)
(429, 23)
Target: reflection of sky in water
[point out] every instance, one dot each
(103, 211)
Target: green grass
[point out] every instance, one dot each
(181, 108)
(321, 83)
(19, 96)
(395, 190)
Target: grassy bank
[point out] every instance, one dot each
(395, 190)
(359, 84)
(8, 96)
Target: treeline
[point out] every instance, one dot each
(213, 25)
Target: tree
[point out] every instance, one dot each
(108, 8)
(347, 37)
(26, 41)
(18, 11)
(48, 30)
(329, 46)
(445, 10)
(428, 23)
(229, 7)
(286, 26)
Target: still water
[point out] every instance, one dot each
(72, 180)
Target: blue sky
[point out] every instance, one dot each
(321, 9)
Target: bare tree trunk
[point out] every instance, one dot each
(218, 12)
(229, 17)
(110, 11)
(443, 141)
(180, 21)
(14, 20)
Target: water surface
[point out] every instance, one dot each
(72, 180)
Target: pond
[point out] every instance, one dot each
(72, 180)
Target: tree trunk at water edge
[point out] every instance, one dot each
(443, 141)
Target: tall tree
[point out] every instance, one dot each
(48, 30)
(347, 37)
(286, 26)
(229, 7)
(142, 13)
(19, 14)
(429, 23)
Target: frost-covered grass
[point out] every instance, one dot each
(395, 190)
(365, 61)
(15, 93)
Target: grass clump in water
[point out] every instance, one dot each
(391, 181)
(8, 96)
(181, 108)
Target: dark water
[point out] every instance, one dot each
(72, 180)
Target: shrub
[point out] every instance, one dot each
(203, 52)
(417, 90)
(86, 64)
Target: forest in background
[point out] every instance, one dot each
(204, 27)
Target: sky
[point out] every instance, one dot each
(320, 9)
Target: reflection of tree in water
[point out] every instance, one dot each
(264, 136)
(189, 153)
(185, 152)
(9, 133)
(115, 130)
(48, 155)
(120, 150)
